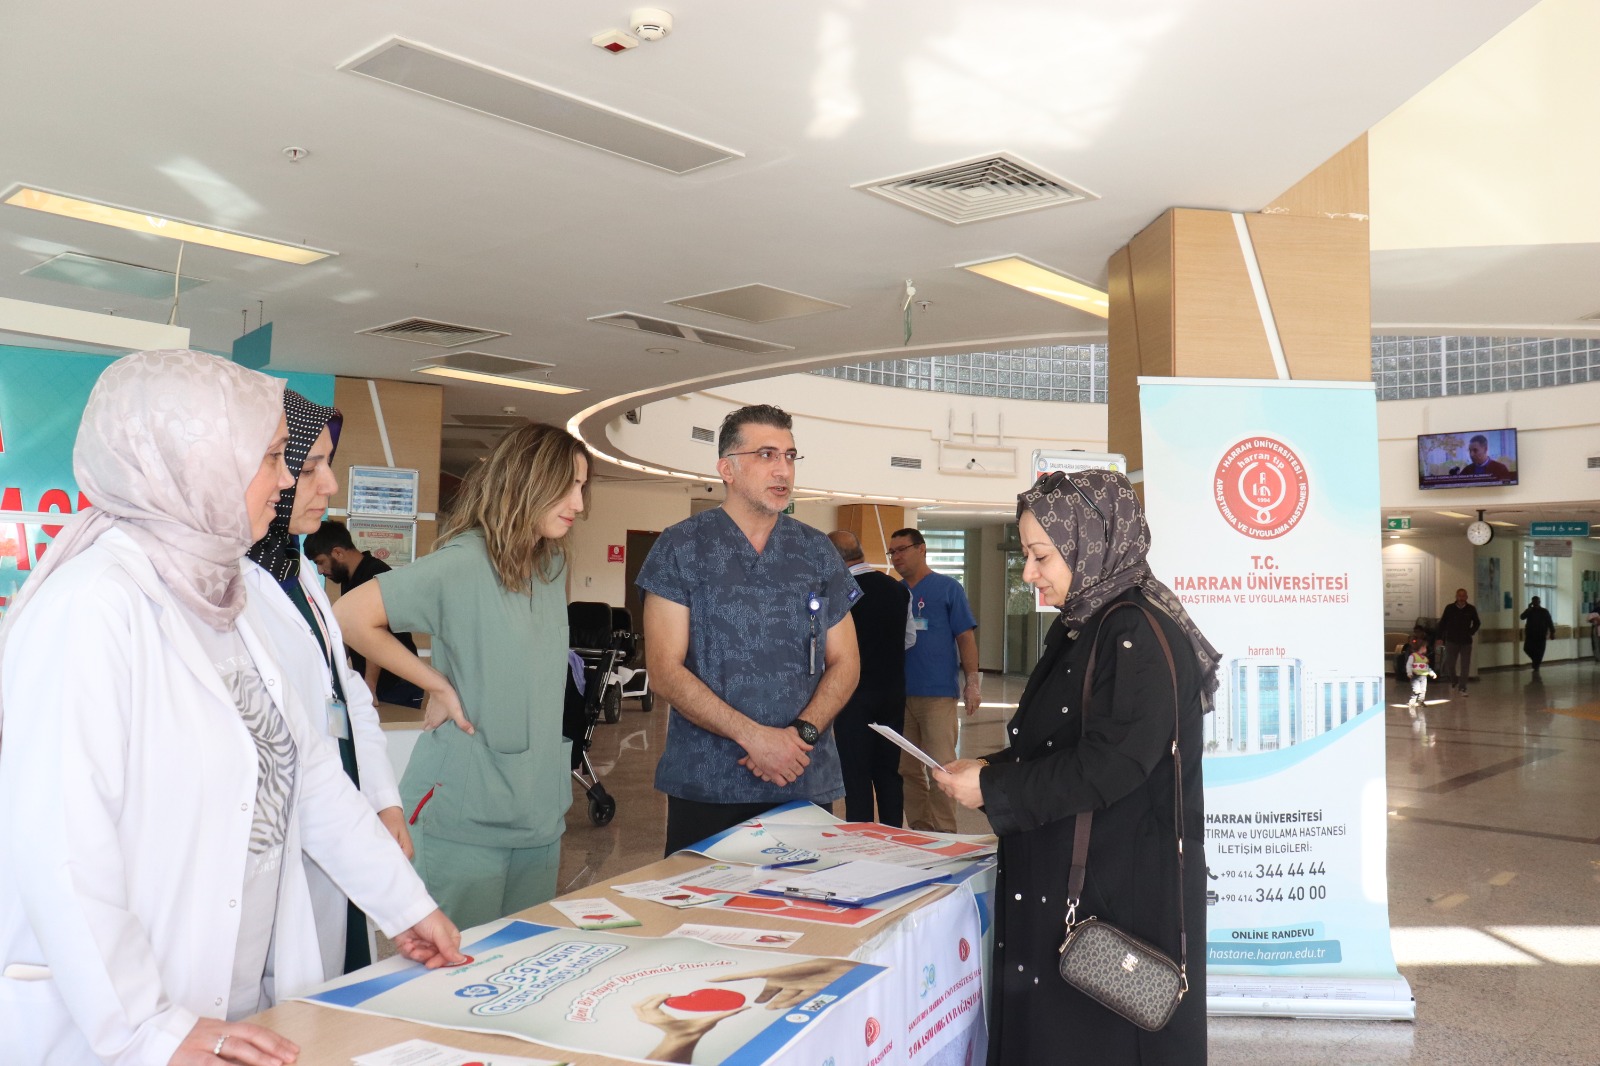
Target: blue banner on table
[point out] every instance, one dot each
(1264, 515)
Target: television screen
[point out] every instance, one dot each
(1471, 459)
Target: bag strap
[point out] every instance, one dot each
(1085, 822)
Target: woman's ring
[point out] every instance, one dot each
(223, 1039)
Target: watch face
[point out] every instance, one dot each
(807, 731)
(1480, 533)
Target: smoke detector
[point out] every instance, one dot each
(650, 23)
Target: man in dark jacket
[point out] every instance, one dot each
(1457, 624)
(1540, 628)
(883, 633)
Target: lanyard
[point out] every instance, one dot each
(813, 605)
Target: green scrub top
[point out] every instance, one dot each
(509, 784)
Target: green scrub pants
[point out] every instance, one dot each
(474, 884)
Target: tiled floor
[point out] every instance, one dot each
(1494, 871)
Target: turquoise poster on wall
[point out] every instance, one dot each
(42, 395)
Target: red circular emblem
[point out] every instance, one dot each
(964, 949)
(873, 1029)
(1261, 488)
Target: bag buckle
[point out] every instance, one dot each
(1072, 919)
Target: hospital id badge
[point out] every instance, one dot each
(338, 718)
(921, 624)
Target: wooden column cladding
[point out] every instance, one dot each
(1183, 304)
(873, 525)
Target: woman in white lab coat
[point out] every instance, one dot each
(288, 605)
(157, 787)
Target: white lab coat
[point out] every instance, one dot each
(127, 781)
(299, 653)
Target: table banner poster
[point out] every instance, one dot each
(1262, 498)
(645, 999)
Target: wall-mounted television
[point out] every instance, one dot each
(1472, 459)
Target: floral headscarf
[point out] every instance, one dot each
(1096, 521)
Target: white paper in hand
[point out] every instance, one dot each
(905, 745)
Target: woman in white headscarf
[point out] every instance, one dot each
(157, 784)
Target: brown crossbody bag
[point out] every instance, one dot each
(1115, 968)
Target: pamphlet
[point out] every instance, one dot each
(905, 745)
(739, 936)
(594, 913)
(427, 1053)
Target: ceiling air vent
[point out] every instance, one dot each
(702, 434)
(680, 331)
(757, 303)
(905, 462)
(485, 363)
(978, 189)
(458, 81)
(427, 331)
(1594, 462)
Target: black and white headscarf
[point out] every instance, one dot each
(277, 553)
(1097, 524)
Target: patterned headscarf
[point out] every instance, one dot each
(277, 552)
(1096, 521)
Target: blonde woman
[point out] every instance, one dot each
(487, 788)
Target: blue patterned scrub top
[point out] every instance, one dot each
(750, 625)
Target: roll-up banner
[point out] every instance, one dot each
(1262, 498)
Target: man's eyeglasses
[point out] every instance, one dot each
(771, 455)
(902, 548)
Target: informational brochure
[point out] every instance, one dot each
(807, 910)
(594, 913)
(643, 999)
(392, 541)
(427, 1053)
(699, 886)
(798, 828)
(850, 884)
(894, 737)
(739, 936)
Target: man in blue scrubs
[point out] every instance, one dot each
(748, 636)
(941, 665)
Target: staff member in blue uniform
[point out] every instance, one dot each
(748, 635)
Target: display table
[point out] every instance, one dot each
(927, 1008)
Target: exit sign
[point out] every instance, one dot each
(1397, 523)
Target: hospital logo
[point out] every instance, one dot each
(1260, 488)
(964, 949)
(930, 977)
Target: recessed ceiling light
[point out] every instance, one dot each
(498, 379)
(1024, 274)
(55, 203)
(1506, 525)
(1453, 514)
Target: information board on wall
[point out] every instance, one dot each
(1263, 506)
(384, 490)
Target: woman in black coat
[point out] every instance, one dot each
(1086, 539)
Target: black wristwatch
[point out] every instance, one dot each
(807, 731)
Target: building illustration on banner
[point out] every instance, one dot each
(1266, 703)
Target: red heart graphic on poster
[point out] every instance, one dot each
(681, 895)
(964, 949)
(873, 1029)
(830, 834)
(707, 1000)
(598, 917)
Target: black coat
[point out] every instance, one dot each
(1122, 770)
(880, 620)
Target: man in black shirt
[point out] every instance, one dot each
(883, 632)
(1457, 623)
(337, 559)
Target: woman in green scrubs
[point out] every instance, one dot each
(488, 785)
